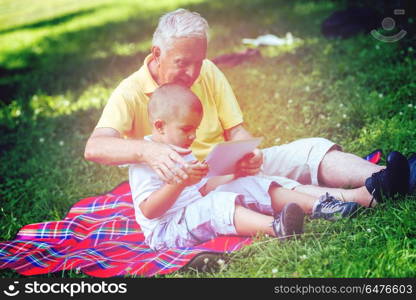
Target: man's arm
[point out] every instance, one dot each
(106, 146)
(237, 133)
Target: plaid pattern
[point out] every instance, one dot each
(100, 237)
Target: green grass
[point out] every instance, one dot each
(59, 65)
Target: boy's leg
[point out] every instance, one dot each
(281, 196)
(249, 223)
(359, 195)
(318, 205)
(287, 223)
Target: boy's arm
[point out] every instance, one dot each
(213, 182)
(161, 200)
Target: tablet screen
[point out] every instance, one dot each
(224, 156)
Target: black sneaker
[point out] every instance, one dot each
(412, 177)
(332, 209)
(392, 180)
(289, 221)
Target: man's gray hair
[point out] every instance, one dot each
(177, 24)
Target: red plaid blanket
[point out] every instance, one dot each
(99, 237)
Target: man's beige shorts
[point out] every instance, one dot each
(297, 162)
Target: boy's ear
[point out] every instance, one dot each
(159, 126)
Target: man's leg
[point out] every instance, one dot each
(298, 160)
(317, 161)
(340, 170)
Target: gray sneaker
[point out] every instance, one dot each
(289, 221)
(332, 209)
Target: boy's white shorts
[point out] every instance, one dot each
(212, 215)
(287, 165)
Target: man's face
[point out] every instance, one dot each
(181, 62)
(181, 131)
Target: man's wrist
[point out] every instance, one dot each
(140, 149)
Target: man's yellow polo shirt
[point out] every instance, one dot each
(126, 110)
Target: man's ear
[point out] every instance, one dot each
(159, 126)
(156, 52)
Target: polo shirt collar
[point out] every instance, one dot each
(149, 85)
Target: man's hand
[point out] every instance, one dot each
(196, 171)
(250, 164)
(164, 161)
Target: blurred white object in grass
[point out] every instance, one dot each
(271, 40)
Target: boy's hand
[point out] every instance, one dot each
(196, 171)
(250, 164)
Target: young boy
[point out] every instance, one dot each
(198, 209)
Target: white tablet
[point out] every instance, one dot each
(224, 156)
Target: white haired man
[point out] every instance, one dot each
(178, 55)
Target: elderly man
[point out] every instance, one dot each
(178, 55)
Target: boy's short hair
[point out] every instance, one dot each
(172, 100)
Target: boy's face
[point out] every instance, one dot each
(181, 130)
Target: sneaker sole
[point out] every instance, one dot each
(399, 173)
(412, 176)
(292, 219)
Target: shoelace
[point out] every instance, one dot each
(372, 198)
(276, 226)
(330, 201)
(377, 184)
(377, 176)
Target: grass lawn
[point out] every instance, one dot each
(61, 59)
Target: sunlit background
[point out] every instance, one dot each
(61, 59)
